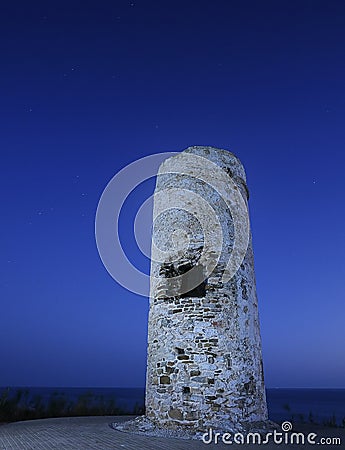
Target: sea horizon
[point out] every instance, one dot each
(299, 405)
(140, 387)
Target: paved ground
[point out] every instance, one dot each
(82, 433)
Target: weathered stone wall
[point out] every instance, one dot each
(204, 364)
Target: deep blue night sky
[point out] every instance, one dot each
(88, 87)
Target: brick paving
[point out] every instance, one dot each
(82, 433)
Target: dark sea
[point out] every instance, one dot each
(296, 405)
(322, 406)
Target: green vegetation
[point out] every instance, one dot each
(299, 418)
(18, 406)
(332, 422)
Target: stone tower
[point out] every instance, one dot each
(204, 363)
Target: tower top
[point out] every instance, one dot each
(224, 159)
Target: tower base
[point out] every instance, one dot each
(144, 426)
